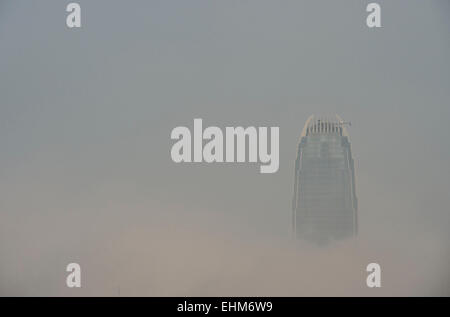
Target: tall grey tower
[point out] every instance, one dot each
(324, 206)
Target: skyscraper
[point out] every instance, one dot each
(324, 206)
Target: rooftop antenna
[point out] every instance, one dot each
(342, 122)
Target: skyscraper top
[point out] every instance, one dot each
(324, 206)
(325, 125)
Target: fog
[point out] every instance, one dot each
(85, 168)
(179, 256)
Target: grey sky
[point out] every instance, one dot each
(86, 115)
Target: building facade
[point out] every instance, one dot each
(324, 207)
